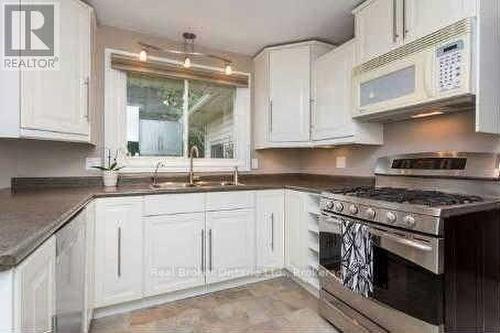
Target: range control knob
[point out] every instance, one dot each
(329, 204)
(391, 217)
(409, 221)
(370, 213)
(353, 209)
(338, 207)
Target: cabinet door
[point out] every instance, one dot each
(230, 244)
(332, 117)
(174, 252)
(119, 265)
(423, 17)
(35, 290)
(296, 233)
(56, 101)
(378, 28)
(290, 72)
(261, 100)
(270, 226)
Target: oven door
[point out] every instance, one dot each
(406, 268)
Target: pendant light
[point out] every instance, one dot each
(187, 62)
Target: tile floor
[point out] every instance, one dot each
(277, 306)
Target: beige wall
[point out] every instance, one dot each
(443, 133)
(30, 158)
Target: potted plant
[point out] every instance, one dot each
(110, 169)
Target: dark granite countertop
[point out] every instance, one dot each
(39, 207)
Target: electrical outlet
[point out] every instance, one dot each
(255, 163)
(92, 161)
(341, 162)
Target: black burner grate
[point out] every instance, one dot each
(414, 197)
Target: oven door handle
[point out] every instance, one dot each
(413, 244)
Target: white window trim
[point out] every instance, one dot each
(115, 126)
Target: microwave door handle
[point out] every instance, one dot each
(413, 244)
(428, 73)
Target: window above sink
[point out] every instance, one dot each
(152, 118)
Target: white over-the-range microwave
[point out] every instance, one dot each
(432, 75)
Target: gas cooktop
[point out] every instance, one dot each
(408, 196)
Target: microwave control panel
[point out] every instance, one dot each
(450, 59)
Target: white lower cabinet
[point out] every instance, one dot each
(230, 244)
(118, 251)
(295, 232)
(270, 225)
(174, 253)
(34, 291)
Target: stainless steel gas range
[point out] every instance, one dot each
(393, 257)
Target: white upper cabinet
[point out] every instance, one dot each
(332, 107)
(378, 27)
(382, 25)
(118, 250)
(54, 104)
(174, 253)
(290, 78)
(283, 93)
(230, 245)
(423, 17)
(270, 226)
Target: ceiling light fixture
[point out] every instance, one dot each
(143, 55)
(188, 52)
(228, 70)
(428, 114)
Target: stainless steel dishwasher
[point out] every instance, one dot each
(70, 277)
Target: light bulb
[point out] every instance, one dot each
(187, 62)
(143, 56)
(228, 69)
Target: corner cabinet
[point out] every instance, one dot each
(332, 121)
(270, 228)
(54, 104)
(118, 250)
(282, 103)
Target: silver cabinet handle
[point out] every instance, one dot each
(203, 250)
(405, 29)
(270, 115)
(53, 323)
(272, 232)
(394, 21)
(119, 264)
(87, 86)
(210, 249)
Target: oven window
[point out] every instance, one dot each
(330, 252)
(407, 287)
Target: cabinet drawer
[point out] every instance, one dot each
(230, 200)
(166, 204)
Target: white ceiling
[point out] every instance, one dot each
(241, 26)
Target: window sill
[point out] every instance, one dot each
(173, 164)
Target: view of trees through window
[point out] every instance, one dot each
(161, 121)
